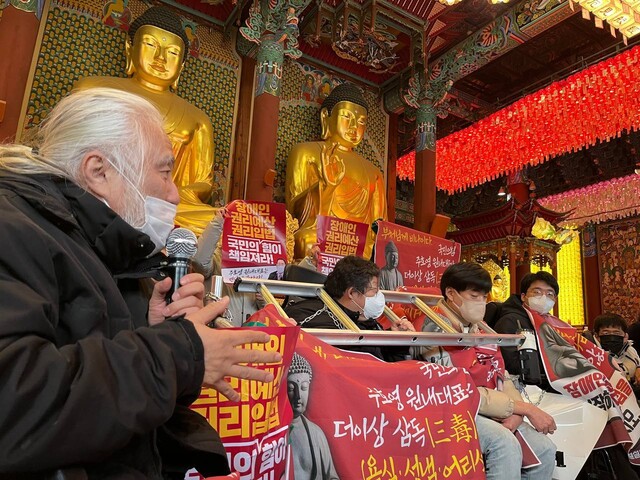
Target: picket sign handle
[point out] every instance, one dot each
(354, 336)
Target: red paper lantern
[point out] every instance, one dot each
(593, 105)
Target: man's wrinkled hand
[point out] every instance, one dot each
(512, 422)
(187, 299)
(541, 421)
(222, 355)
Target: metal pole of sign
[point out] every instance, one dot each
(453, 316)
(393, 296)
(391, 315)
(454, 319)
(269, 298)
(299, 289)
(390, 338)
(276, 287)
(336, 310)
(433, 316)
(486, 328)
(353, 335)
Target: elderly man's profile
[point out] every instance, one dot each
(311, 455)
(390, 277)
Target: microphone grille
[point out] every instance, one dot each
(182, 243)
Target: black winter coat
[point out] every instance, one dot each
(513, 317)
(86, 388)
(302, 310)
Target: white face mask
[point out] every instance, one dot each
(471, 311)
(159, 216)
(541, 304)
(373, 306)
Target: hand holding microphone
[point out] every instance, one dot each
(181, 247)
(181, 293)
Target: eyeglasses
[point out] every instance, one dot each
(371, 289)
(537, 292)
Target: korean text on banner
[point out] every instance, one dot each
(362, 418)
(578, 368)
(253, 239)
(255, 429)
(339, 238)
(411, 258)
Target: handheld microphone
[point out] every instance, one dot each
(181, 247)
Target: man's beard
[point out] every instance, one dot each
(133, 210)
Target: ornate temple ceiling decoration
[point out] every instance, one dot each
(490, 62)
(622, 16)
(595, 104)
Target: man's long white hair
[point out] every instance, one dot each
(120, 125)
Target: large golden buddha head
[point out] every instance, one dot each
(156, 48)
(344, 116)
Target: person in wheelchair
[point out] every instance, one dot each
(353, 284)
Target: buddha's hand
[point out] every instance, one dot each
(332, 167)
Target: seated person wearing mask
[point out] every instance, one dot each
(278, 274)
(465, 287)
(353, 284)
(96, 373)
(539, 292)
(610, 333)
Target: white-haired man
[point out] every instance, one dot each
(95, 377)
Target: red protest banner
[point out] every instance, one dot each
(255, 429)
(578, 368)
(253, 239)
(352, 416)
(405, 420)
(357, 417)
(412, 258)
(338, 238)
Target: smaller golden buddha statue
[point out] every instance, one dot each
(156, 51)
(329, 178)
(499, 291)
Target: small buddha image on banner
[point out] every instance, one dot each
(339, 238)
(254, 239)
(410, 258)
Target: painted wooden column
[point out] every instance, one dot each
(18, 35)
(243, 130)
(590, 274)
(554, 272)
(424, 196)
(513, 264)
(392, 158)
(264, 128)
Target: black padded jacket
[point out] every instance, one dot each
(87, 389)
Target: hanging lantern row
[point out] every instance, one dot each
(597, 203)
(593, 105)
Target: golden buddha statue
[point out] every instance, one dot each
(499, 289)
(156, 51)
(329, 178)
